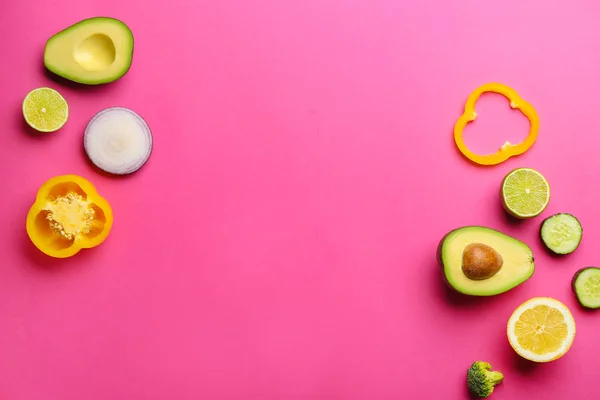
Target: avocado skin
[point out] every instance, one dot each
(440, 262)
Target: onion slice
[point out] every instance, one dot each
(118, 141)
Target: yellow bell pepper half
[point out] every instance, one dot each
(68, 215)
(508, 149)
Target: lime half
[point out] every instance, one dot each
(45, 110)
(525, 193)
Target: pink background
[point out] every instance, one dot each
(280, 243)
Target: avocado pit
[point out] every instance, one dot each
(480, 261)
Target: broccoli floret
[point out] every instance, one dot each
(481, 380)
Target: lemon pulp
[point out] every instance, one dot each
(525, 192)
(45, 110)
(541, 329)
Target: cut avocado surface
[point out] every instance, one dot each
(92, 51)
(481, 261)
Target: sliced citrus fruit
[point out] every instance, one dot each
(542, 329)
(45, 110)
(525, 193)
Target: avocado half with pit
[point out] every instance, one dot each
(93, 51)
(481, 261)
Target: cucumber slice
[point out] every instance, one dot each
(586, 286)
(561, 233)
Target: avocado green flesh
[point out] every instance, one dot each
(93, 51)
(517, 266)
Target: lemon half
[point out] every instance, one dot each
(542, 329)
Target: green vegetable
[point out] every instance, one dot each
(586, 286)
(561, 233)
(481, 380)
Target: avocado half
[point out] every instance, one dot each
(93, 51)
(517, 264)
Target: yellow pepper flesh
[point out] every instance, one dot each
(68, 215)
(508, 149)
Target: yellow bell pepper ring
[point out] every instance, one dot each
(68, 215)
(508, 149)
